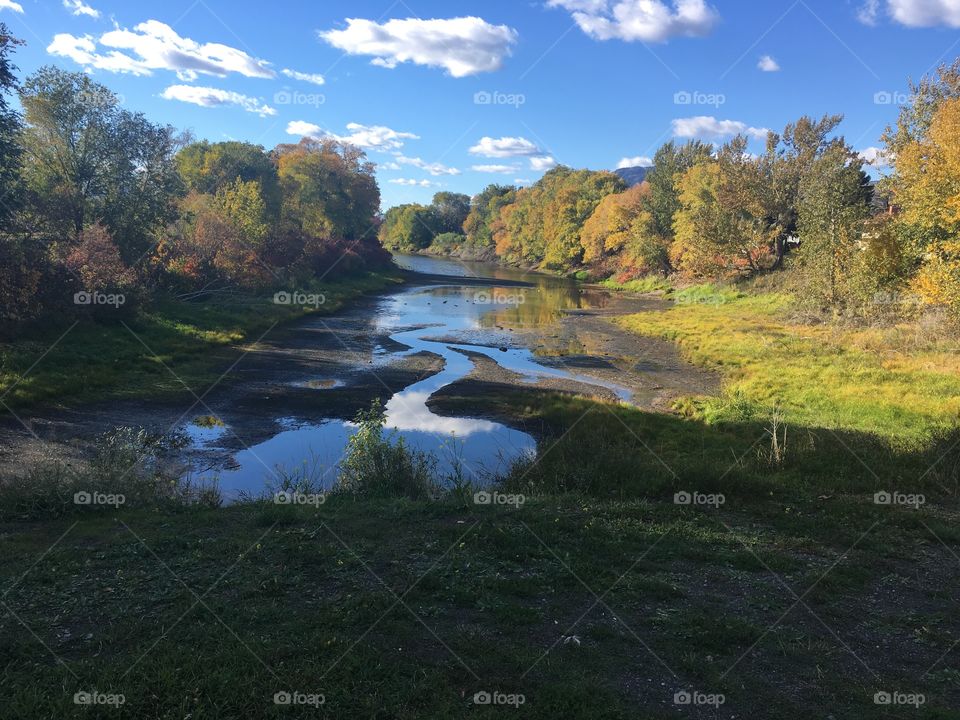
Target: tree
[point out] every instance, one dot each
(408, 227)
(242, 203)
(10, 128)
(606, 231)
(833, 203)
(329, 189)
(927, 182)
(484, 212)
(210, 167)
(88, 161)
(450, 211)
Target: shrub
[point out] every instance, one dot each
(381, 465)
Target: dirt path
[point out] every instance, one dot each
(328, 368)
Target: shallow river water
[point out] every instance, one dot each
(450, 320)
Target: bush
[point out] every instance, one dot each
(381, 465)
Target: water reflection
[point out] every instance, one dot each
(451, 321)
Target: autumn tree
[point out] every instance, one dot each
(607, 230)
(833, 202)
(927, 184)
(484, 212)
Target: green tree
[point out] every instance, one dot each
(88, 161)
(209, 167)
(833, 202)
(11, 125)
(450, 211)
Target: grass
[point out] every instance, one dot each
(646, 284)
(91, 361)
(895, 382)
(210, 614)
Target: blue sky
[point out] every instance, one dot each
(455, 94)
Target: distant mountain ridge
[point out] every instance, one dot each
(633, 175)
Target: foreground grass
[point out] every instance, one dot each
(893, 382)
(588, 593)
(195, 340)
(588, 609)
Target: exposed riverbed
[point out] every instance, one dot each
(455, 328)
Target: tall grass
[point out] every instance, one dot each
(126, 468)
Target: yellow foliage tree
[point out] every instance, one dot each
(928, 192)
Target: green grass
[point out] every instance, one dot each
(295, 599)
(196, 340)
(647, 284)
(895, 382)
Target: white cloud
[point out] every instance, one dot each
(639, 161)
(10, 5)
(643, 20)
(410, 182)
(543, 163)
(925, 13)
(709, 127)
(768, 64)
(215, 97)
(868, 12)
(435, 169)
(373, 137)
(912, 13)
(388, 165)
(505, 147)
(304, 129)
(463, 46)
(78, 7)
(498, 169)
(314, 78)
(878, 157)
(522, 181)
(153, 45)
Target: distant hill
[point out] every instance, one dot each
(633, 175)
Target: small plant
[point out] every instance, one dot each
(777, 451)
(381, 465)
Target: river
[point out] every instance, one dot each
(454, 317)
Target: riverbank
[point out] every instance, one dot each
(158, 351)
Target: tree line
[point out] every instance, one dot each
(804, 205)
(98, 199)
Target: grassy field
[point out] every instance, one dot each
(901, 382)
(90, 361)
(738, 556)
(581, 605)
